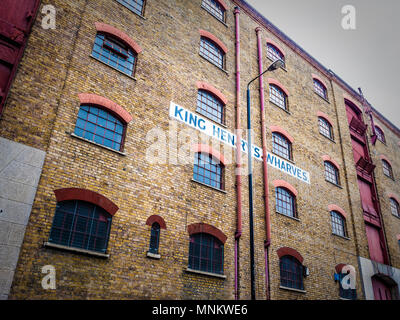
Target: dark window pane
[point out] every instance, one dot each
(206, 253)
(80, 224)
(93, 127)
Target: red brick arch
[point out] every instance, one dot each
(325, 116)
(268, 40)
(208, 87)
(286, 185)
(88, 196)
(334, 207)
(223, 4)
(329, 159)
(89, 98)
(282, 132)
(158, 219)
(106, 28)
(314, 76)
(278, 84)
(286, 251)
(213, 38)
(383, 157)
(206, 228)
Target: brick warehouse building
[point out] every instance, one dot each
(118, 165)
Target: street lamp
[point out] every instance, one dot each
(276, 65)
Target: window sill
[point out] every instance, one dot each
(222, 69)
(223, 22)
(326, 100)
(153, 255)
(292, 289)
(275, 105)
(211, 187)
(126, 75)
(330, 139)
(76, 250)
(336, 185)
(97, 144)
(216, 275)
(294, 218)
(343, 237)
(220, 124)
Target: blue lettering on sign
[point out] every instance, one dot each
(210, 129)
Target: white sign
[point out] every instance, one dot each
(211, 129)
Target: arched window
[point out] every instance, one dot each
(379, 134)
(206, 253)
(285, 202)
(212, 52)
(291, 272)
(215, 8)
(136, 6)
(387, 169)
(394, 207)
(320, 89)
(102, 127)
(325, 128)
(281, 146)
(210, 106)
(154, 238)
(114, 53)
(208, 170)
(81, 224)
(274, 53)
(338, 224)
(277, 96)
(331, 173)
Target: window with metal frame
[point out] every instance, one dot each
(331, 173)
(281, 146)
(215, 8)
(325, 128)
(285, 202)
(277, 96)
(349, 294)
(154, 238)
(394, 207)
(208, 170)
(338, 224)
(291, 272)
(211, 52)
(114, 53)
(380, 135)
(320, 89)
(98, 125)
(210, 106)
(136, 6)
(81, 225)
(387, 169)
(274, 53)
(206, 253)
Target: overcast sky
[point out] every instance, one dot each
(367, 57)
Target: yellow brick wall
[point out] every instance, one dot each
(43, 115)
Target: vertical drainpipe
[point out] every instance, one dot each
(265, 167)
(238, 170)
